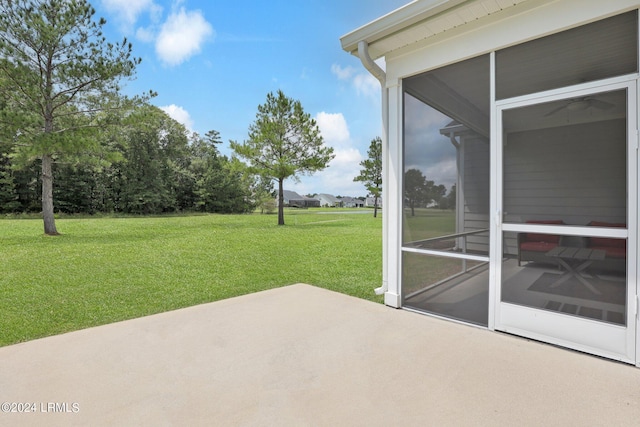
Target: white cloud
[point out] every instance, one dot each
(179, 114)
(146, 35)
(364, 83)
(182, 36)
(346, 157)
(128, 11)
(333, 128)
(343, 73)
(338, 177)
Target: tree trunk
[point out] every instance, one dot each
(375, 207)
(280, 202)
(47, 196)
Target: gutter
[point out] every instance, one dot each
(370, 65)
(392, 23)
(378, 73)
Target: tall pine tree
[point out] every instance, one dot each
(284, 142)
(371, 172)
(63, 77)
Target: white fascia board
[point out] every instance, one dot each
(395, 21)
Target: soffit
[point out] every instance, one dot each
(421, 20)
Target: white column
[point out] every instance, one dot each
(392, 204)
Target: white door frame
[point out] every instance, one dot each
(608, 340)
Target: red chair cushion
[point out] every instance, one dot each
(605, 241)
(537, 246)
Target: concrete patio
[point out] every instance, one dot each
(301, 355)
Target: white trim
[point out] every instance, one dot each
(443, 254)
(583, 89)
(460, 186)
(392, 299)
(600, 338)
(495, 235)
(395, 21)
(634, 154)
(568, 230)
(633, 242)
(394, 199)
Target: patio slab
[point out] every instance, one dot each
(301, 355)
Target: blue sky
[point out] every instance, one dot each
(213, 62)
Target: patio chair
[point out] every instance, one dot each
(534, 246)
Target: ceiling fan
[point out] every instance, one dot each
(581, 104)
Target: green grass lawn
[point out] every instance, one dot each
(103, 270)
(427, 223)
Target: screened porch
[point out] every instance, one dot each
(563, 173)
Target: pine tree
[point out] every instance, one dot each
(63, 78)
(371, 172)
(284, 142)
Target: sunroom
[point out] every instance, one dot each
(511, 166)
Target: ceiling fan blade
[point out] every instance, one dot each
(602, 105)
(580, 104)
(555, 110)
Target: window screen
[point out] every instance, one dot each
(596, 51)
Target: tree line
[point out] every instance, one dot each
(64, 120)
(153, 165)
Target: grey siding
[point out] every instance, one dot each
(475, 152)
(578, 179)
(548, 175)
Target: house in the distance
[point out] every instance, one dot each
(294, 200)
(311, 202)
(350, 202)
(327, 200)
(371, 202)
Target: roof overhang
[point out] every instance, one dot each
(420, 20)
